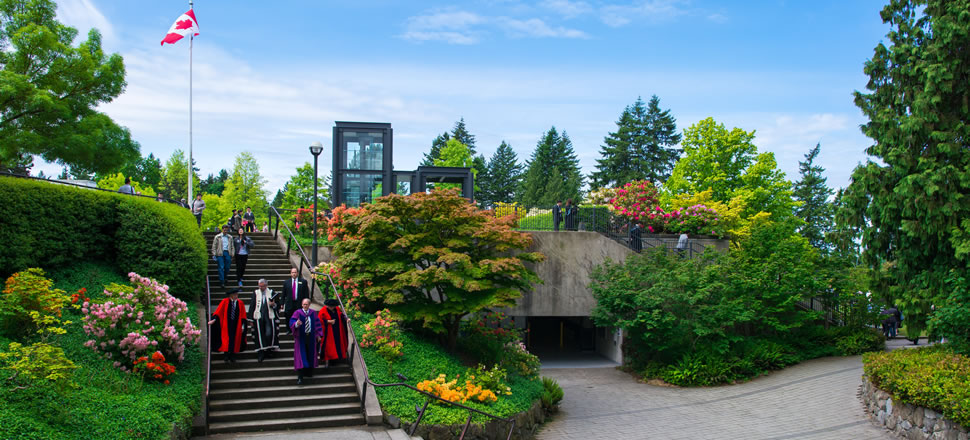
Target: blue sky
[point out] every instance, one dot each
(272, 77)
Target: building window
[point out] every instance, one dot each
(361, 188)
(364, 150)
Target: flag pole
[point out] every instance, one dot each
(191, 41)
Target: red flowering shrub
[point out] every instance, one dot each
(635, 200)
(383, 332)
(154, 369)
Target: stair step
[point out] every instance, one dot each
(272, 402)
(290, 389)
(275, 412)
(249, 370)
(286, 424)
(290, 379)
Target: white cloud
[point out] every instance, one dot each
(617, 15)
(83, 15)
(462, 27)
(568, 8)
(535, 27)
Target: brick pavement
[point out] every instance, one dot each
(815, 400)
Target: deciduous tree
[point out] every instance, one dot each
(432, 257)
(51, 90)
(175, 177)
(246, 187)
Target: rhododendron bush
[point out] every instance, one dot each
(638, 203)
(138, 320)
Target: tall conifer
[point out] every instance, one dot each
(642, 148)
(552, 172)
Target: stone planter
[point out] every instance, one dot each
(908, 421)
(526, 425)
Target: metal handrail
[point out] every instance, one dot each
(356, 353)
(274, 213)
(208, 348)
(60, 182)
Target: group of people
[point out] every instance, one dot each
(567, 213)
(226, 247)
(892, 321)
(319, 335)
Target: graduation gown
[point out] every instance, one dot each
(229, 335)
(305, 344)
(265, 331)
(334, 342)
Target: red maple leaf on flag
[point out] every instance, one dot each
(183, 24)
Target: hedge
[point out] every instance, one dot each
(50, 225)
(931, 377)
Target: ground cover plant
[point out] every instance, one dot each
(932, 377)
(101, 401)
(423, 360)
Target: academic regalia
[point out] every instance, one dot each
(265, 330)
(305, 342)
(334, 342)
(229, 330)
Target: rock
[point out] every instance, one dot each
(881, 417)
(906, 425)
(393, 421)
(889, 402)
(904, 410)
(960, 436)
(929, 414)
(917, 417)
(891, 422)
(951, 434)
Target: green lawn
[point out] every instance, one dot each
(109, 404)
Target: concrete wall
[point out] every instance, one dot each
(570, 259)
(609, 343)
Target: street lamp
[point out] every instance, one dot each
(315, 149)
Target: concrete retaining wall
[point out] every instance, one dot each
(908, 421)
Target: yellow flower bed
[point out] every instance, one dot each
(448, 390)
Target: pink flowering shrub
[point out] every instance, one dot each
(138, 320)
(383, 332)
(637, 202)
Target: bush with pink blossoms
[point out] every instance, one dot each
(697, 219)
(137, 320)
(636, 200)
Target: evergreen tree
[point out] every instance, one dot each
(912, 200)
(502, 177)
(642, 148)
(552, 172)
(278, 199)
(175, 177)
(460, 133)
(812, 191)
(215, 184)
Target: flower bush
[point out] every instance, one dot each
(503, 209)
(518, 360)
(29, 305)
(932, 377)
(635, 200)
(155, 368)
(602, 196)
(135, 320)
(696, 219)
(384, 333)
(335, 226)
(450, 390)
(492, 380)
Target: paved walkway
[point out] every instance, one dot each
(813, 400)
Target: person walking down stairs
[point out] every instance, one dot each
(229, 336)
(223, 248)
(243, 245)
(262, 309)
(307, 332)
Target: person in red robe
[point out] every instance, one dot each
(228, 326)
(333, 345)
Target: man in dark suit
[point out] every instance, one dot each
(556, 215)
(295, 290)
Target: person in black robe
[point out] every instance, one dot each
(228, 326)
(556, 215)
(262, 310)
(333, 345)
(636, 241)
(571, 211)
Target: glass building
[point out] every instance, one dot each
(363, 166)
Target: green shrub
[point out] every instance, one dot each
(860, 340)
(552, 394)
(932, 377)
(53, 225)
(38, 364)
(29, 306)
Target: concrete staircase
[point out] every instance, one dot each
(263, 396)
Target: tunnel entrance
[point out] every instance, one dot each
(551, 336)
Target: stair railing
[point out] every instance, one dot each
(208, 348)
(355, 354)
(290, 240)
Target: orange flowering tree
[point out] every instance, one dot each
(432, 258)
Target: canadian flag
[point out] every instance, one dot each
(185, 25)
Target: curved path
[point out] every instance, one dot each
(816, 399)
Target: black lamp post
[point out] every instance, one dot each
(315, 148)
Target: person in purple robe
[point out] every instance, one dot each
(307, 332)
